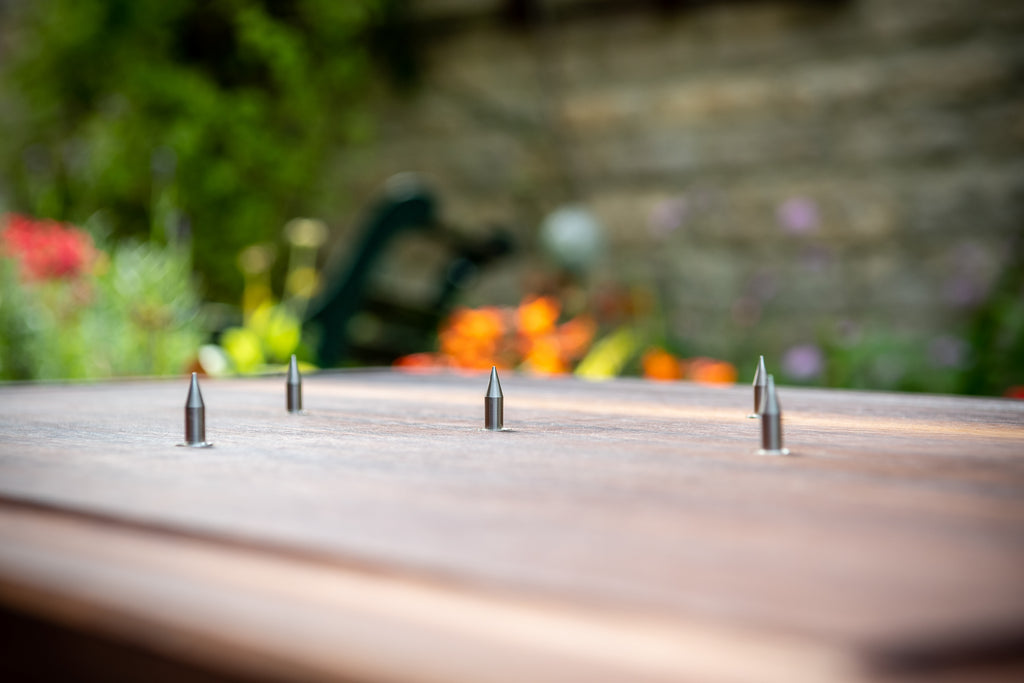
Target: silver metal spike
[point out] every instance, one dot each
(494, 403)
(771, 422)
(293, 387)
(195, 416)
(760, 382)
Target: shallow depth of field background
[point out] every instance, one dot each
(666, 189)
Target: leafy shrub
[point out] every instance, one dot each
(71, 310)
(215, 118)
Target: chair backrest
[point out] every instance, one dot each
(405, 206)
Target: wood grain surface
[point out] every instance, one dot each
(891, 544)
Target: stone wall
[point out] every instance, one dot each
(779, 172)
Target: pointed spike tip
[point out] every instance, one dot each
(494, 385)
(293, 371)
(760, 374)
(195, 397)
(760, 381)
(771, 398)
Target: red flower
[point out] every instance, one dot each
(46, 249)
(1015, 391)
(420, 362)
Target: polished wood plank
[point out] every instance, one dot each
(270, 615)
(896, 531)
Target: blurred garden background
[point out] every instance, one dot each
(665, 189)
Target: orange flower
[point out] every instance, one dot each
(659, 364)
(711, 371)
(537, 315)
(545, 357)
(476, 339)
(575, 336)
(477, 323)
(470, 337)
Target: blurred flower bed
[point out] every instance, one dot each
(72, 309)
(270, 329)
(533, 338)
(75, 306)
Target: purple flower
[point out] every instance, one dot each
(964, 291)
(848, 332)
(667, 216)
(803, 362)
(947, 351)
(746, 311)
(763, 285)
(817, 259)
(798, 215)
(887, 369)
(969, 256)
(966, 285)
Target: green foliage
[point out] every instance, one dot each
(147, 310)
(271, 329)
(135, 314)
(269, 337)
(171, 115)
(996, 334)
(20, 354)
(881, 360)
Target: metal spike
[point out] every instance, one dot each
(293, 387)
(195, 416)
(494, 403)
(760, 381)
(771, 422)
